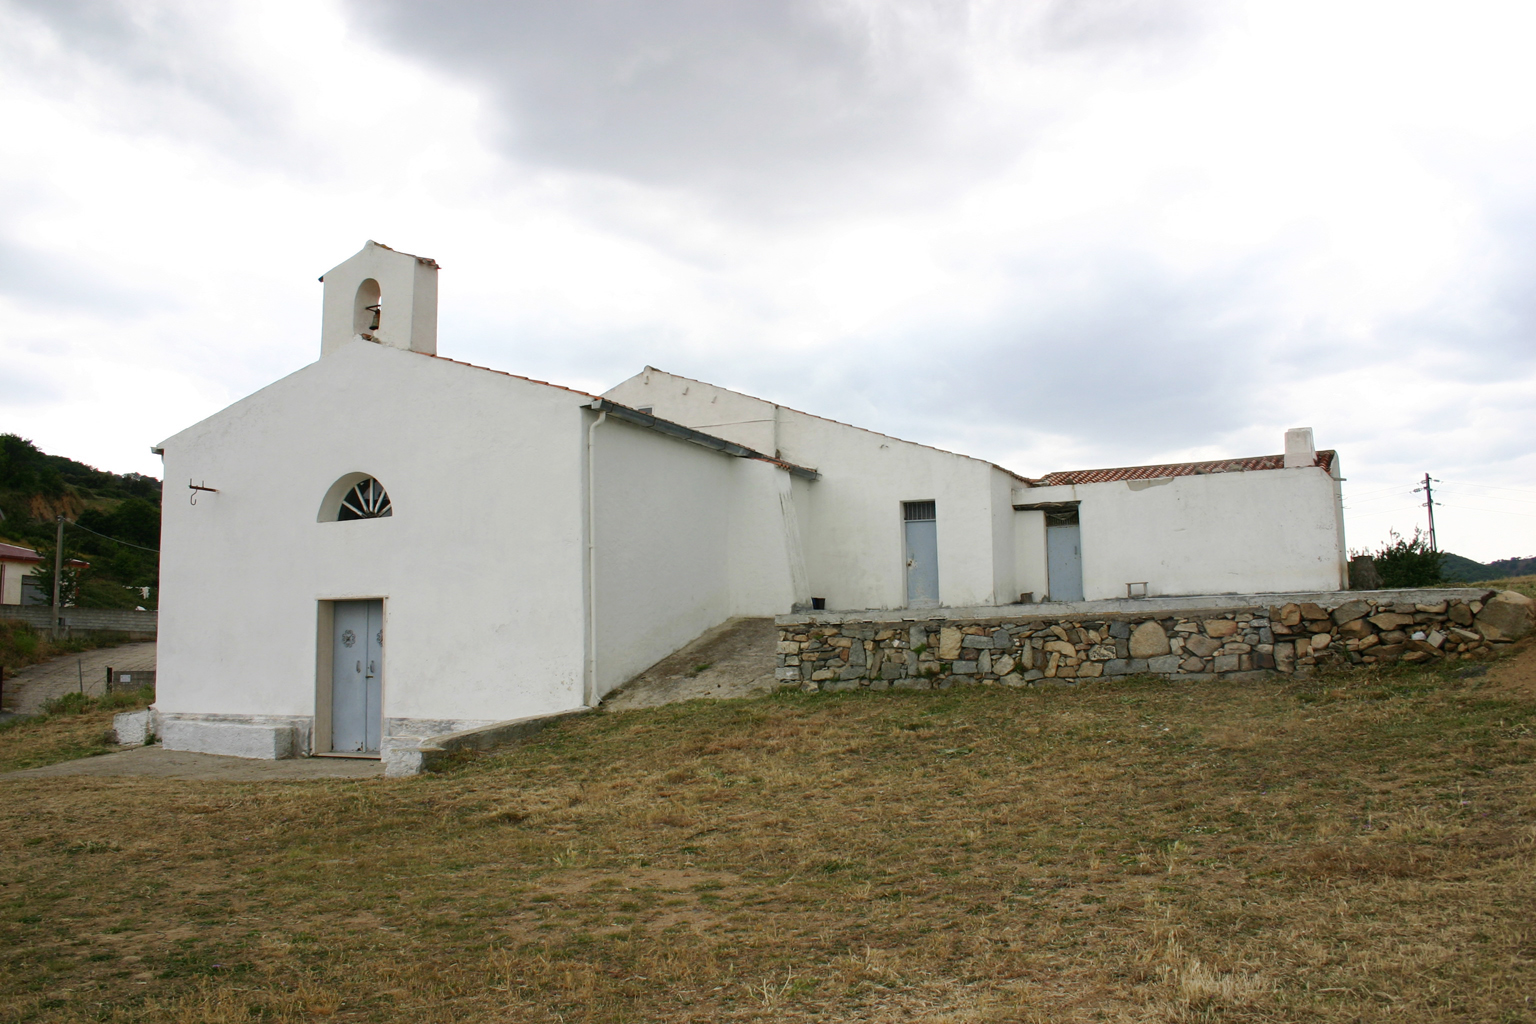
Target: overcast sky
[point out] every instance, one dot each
(1056, 235)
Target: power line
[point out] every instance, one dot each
(1498, 511)
(114, 540)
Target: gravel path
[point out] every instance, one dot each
(182, 764)
(29, 687)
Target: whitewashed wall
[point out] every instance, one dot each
(1262, 531)
(484, 550)
(851, 518)
(686, 537)
(11, 574)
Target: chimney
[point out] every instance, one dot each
(383, 296)
(1300, 452)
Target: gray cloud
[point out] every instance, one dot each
(182, 74)
(806, 105)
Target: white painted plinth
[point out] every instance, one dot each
(134, 728)
(267, 742)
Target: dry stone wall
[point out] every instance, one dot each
(845, 652)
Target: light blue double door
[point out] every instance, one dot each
(357, 677)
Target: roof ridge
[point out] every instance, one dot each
(840, 423)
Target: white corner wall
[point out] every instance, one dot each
(1262, 531)
(484, 550)
(686, 537)
(705, 407)
(854, 542)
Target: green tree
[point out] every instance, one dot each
(1408, 563)
(69, 580)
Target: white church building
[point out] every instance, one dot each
(388, 544)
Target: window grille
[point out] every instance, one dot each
(367, 500)
(918, 511)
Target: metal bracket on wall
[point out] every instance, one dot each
(199, 487)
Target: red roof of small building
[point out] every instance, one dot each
(16, 553)
(1102, 476)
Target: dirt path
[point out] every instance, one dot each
(181, 764)
(29, 687)
(735, 659)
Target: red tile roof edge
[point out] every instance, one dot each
(1099, 476)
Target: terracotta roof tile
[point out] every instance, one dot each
(1101, 476)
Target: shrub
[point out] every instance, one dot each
(1408, 563)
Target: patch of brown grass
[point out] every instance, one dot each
(1353, 849)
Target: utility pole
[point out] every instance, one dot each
(1429, 503)
(58, 568)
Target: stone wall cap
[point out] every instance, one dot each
(1145, 607)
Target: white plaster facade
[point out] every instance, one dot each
(545, 545)
(1203, 528)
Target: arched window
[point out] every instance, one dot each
(366, 500)
(366, 308)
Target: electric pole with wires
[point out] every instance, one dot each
(1429, 503)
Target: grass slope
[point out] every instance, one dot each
(1355, 849)
(71, 727)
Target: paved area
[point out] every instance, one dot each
(156, 762)
(735, 659)
(29, 687)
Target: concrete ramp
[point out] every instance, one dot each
(735, 659)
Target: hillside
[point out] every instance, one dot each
(1457, 567)
(115, 521)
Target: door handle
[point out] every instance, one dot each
(359, 666)
(371, 670)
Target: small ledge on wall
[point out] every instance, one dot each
(355, 496)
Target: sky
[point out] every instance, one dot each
(1054, 234)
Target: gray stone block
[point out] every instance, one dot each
(1117, 667)
(784, 674)
(1226, 663)
(1001, 640)
(1168, 663)
(852, 672)
(1120, 630)
(1033, 674)
(977, 642)
(963, 668)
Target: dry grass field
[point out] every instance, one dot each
(1356, 848)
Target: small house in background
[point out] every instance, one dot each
(423, 546)
(16, 567)
(18, 574)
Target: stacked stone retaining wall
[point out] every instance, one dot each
(879, 650)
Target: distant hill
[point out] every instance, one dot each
(114, 520)
(1456, 567)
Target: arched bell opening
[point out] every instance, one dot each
(367, 308)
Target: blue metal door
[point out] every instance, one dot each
(357, 677)
(922, 549)
(1064, 562)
